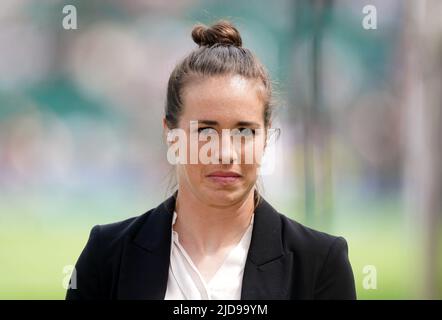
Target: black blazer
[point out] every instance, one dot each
(286, 260)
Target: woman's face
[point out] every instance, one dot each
(217, 103)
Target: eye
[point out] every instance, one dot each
(207, 131)
(245, 132)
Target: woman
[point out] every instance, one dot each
(216, 237)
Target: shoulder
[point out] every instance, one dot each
(320, 256)
(109, 239)
(99, 259)
(296, 236)
(111, 234)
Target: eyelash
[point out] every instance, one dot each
(240, 129)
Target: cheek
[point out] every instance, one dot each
(249, 172)
(190, 173)
(252, 153)
(194, 171)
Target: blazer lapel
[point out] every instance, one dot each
(145, 261)
(266, 268)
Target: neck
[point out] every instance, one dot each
(206, 228)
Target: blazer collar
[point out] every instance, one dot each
(267, 267)
(266, 244)
(145, 262)
(156, 232)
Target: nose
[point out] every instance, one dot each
(228, 153)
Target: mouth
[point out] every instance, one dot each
(224, 177)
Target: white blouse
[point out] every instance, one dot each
(186, 283)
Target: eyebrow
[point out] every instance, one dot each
(239, 123)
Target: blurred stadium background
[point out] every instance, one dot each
(360, 114)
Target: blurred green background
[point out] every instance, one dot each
(360, 113)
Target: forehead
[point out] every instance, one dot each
(224, 99)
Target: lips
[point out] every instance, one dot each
(224, 174)
(224, 177)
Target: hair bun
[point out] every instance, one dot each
(222, 32)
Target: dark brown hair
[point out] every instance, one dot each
(220, 52)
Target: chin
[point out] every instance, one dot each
(223, 198)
